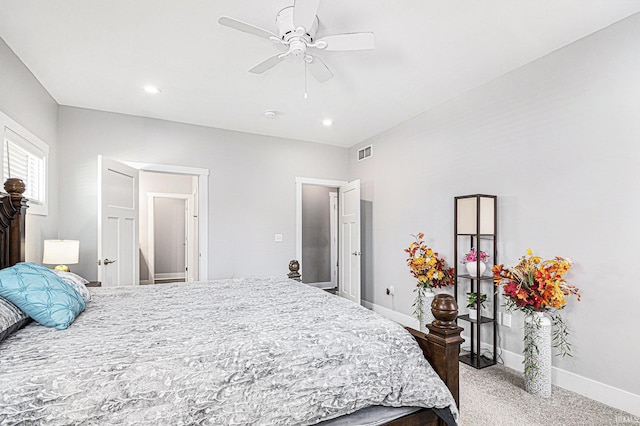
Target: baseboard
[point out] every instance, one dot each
(169, 276)
(323, 285)
(405, 320)
(601, 392)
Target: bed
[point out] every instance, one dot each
(242, 351)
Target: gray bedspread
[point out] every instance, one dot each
(230, 352)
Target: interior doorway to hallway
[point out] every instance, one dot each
(201, 209)
(320, 236)
(348, 222)
(168, 227)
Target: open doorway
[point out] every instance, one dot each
(348, 234)
(168, 227)
(320, 236)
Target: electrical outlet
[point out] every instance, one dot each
(278, 238)
(392, 291)
(506, 320)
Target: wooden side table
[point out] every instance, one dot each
(94, 284)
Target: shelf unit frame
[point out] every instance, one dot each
(477, 232)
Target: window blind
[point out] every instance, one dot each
(24, 161)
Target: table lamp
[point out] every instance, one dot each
(61, 252)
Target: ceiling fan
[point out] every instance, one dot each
(297, 26)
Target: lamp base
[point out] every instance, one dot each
(63, 268)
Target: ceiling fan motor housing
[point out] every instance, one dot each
(287, 28)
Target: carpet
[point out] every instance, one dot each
(495, 396)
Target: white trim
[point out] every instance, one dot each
(399, 317)
(14, 126)
(203, 206)
(308, 181)
(601, 392)
(333, 232)
(322, 285)
(164, 168)
(321, 182)
(170, 276)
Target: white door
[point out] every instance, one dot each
(350, 255)
(118, 246)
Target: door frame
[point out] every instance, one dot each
(203, 206)
(333, 227)
(308, 181)
(188, 199)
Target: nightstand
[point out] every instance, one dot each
(94, 284)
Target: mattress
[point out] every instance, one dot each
(238, 352)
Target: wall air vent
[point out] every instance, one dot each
(364, 153)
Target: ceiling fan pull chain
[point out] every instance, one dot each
(305, 80)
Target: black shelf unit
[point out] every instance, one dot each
(475, 225)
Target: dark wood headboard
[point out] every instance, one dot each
(13, 207)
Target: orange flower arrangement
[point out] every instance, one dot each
(429, 269)
(535, 284)
(425, 265)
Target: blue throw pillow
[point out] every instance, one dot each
(41, 294)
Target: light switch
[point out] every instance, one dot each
(278, 238)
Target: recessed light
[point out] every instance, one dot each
(151, 89)
(270, 113)
(326, 122)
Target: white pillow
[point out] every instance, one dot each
(77, 282)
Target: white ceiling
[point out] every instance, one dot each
(99, 54)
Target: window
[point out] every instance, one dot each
(24, 156)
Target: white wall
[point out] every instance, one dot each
(251, 185)
(27, 102)
(558, 141)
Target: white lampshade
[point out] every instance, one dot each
(64, 252)
(468, 214)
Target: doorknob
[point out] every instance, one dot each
(356, 253)
(107, 261)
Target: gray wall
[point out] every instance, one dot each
(316, 234)
(26, 101)
(557, 142)
(251, 185)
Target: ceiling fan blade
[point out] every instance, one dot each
(304, 13)
(268, 63)
(244, 27)
(319, 70)
(351, 41)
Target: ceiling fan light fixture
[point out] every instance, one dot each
(297, 26)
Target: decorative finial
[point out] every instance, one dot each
(445, 309)
(14, 186)
(294, 267)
